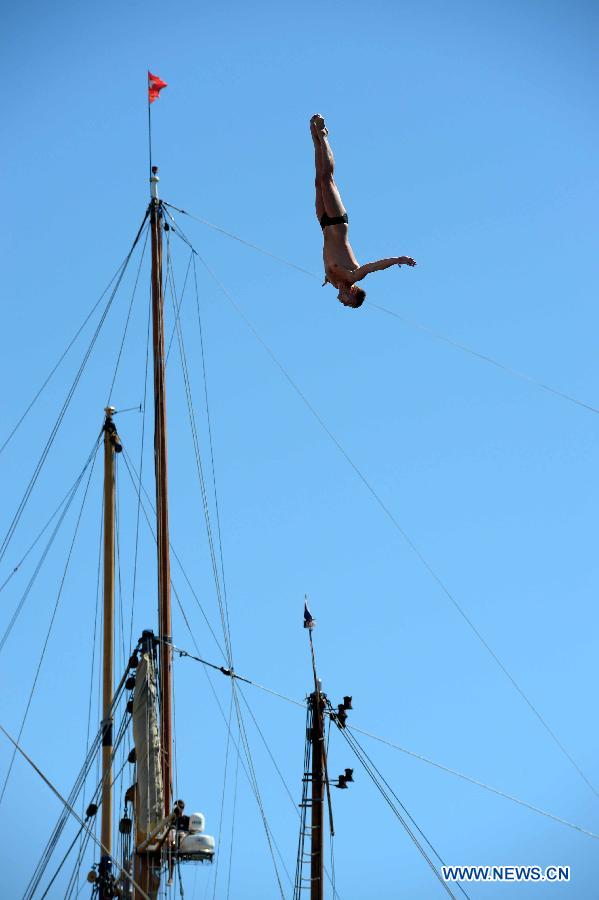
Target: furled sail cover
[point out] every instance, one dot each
(149, 797)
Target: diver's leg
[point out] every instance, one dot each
(319, 168)
(330, 192)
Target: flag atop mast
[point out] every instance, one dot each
(155, 85)
(309, 620)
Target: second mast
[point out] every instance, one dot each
(161, 469)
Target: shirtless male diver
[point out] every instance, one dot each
(341, 267)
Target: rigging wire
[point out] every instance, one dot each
(394, 521)
(68, 807)
(485, 358)
(411, 322)
(141, 461)
(138, 484)
(396, 798)
(232, 826)
(234, 675)
(256, 789)
(393, 802)
(481, 784)
(65, 352)
(249, 770)
(251, 781)
(93, 654)
(300, 856)
(72, 488)
(97, 795)
(69, 499)
(117, 517)
(50, 627)
(269, 751)
(235, 237)
(120, 353)
(475, 781)
(467, 351)
(78, 786)
(220, 593)
(222, 799)
(210, 443)
(63, 861)
(177, 311)
(44, 455)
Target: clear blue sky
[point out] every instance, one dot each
(465, 135)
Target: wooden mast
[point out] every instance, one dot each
(160, 463)
(111, 444)
(316, 701)
(318, 776)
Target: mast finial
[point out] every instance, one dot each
(154, 179)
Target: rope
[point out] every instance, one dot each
(250, 771)
(50, 627)
(381, 503)
(68, 807)
(93, 659)
(68, 494)
(141, 459)
(394, 795)
(299, 859)
(411, 322)
(178, 308)
(64, 353)
(222, 799)
(232, 827)
(71, 496)
(136, 481)
(246, 769)
(210, 444)
(269, 751)
(120, 353)
(221, 595)
(256, 789)
(476, 782)
(389, 795)
(121, 602)
(78, 786)
(36, 473)
(481, 784)
(235, 237)
(232, 674)
(62, 862)
(488, 359)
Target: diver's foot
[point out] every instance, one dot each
(317, 122)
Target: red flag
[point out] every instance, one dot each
(155, 85)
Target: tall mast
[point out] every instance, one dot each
(316, 702)
(316, 782)
(160, 463)
(111, 445)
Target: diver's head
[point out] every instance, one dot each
(353, 296)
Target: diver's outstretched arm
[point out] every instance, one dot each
(379, 265)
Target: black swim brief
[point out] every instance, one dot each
(333, 220)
